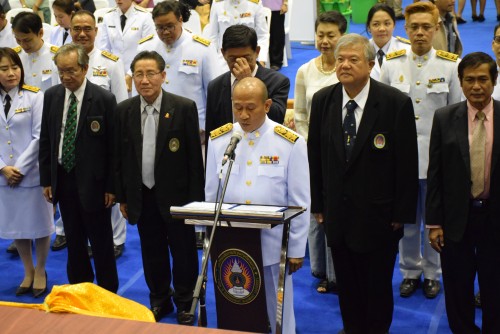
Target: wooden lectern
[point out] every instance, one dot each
(237, 260)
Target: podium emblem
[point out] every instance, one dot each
(237, 276)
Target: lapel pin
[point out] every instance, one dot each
(167, 115)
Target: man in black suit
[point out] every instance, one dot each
(364, 177)
(159, 164)
(240, 50)
(76, 166)
(463, 200)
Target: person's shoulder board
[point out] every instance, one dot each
(201, 40)
(18, 49)
(286, 133)
(54, 49)
(447, 55)
(31, 88)
(395, 54)
(254, 1)
(140, 9)
(109, 55)
(220, 131)
(403, 40)
(145, 39)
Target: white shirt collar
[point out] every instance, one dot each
(360, 99)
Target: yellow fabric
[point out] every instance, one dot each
(89, 299)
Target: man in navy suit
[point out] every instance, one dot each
(240, 50)
(76, 166)
(364, 176)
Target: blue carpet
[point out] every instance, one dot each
(315, 313)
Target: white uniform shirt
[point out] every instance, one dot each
(57, 35)
(110, 36)
(20, 134)
(253, 181)
(39, 67)
(190, 66)
(7, 38)
(432, 83)
(225, 13)
(394, 44)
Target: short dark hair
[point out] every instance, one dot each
(496, 28)
(27, 22)
(152, 55)
(2, 10)
(179, 9)
(67, 6)
(83, 12)
(476, 59)
(12, 55)
(380, 7)
(239, 36)
(332, 17)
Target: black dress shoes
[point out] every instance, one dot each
(119, 250)
(461, 20)
(408, 287)
(431, 288)
(481, 18)
(38, 292)
(184, 318)
(24, 290)
(161, 311)
(12, 249)
(200, 239)
(59, 243)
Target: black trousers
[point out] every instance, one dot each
(81, 225)
(365, 288)
(161, 238)
(476, 252)
(277, 38)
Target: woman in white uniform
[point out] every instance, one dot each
(380, 24)
(24, 213)
(63, 10)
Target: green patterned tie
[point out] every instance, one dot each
(68, 154)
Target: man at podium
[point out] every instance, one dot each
(270, 167)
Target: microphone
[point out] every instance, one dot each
(235, 139)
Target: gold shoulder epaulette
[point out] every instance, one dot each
(141, 9)
(221, 131)
(254, 1)
(218, 0)
(446, 55)
(201, 40)
(109, 55)
(112, 10)
(395, 54)
(147, 38)
(31, 88)
(404, 40)
(285, 133)
(18, 49)
(54, 49)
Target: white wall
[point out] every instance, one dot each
(302, 20)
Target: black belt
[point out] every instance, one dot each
(479, 203)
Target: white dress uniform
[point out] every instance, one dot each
(254, 181)
(225, 13)
(432, 82)
(7, 38)
(57, 36)
(394, 44)
(39, 68)
(190, 63)
(111, 38)
(25, 214)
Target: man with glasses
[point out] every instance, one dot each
(76, 166)
(191, 61)
(106, 71)
(159, 164)
(430, 78)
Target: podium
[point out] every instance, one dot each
(237, 260)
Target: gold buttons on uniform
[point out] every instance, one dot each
(249, 183)
(249, 163)
(248, 201)
(417, 117)
(166, 81)
(418, 82)
(418, 100)
(8, 142)
(419, 65)
(429, 85)
(7, 127)
(426, 57)
(10, 156)
(250, 142)
(167, 66)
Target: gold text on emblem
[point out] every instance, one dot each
(173, 145)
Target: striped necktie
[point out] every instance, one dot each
(68, 154)
(349, 128)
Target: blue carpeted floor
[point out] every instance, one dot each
(315, 313)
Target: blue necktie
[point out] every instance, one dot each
(349, 127)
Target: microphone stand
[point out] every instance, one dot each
(199, 290)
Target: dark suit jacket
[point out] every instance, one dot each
(94, 149)
(449, 175)
(360, 199)
(178, 173)
(219, 105)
